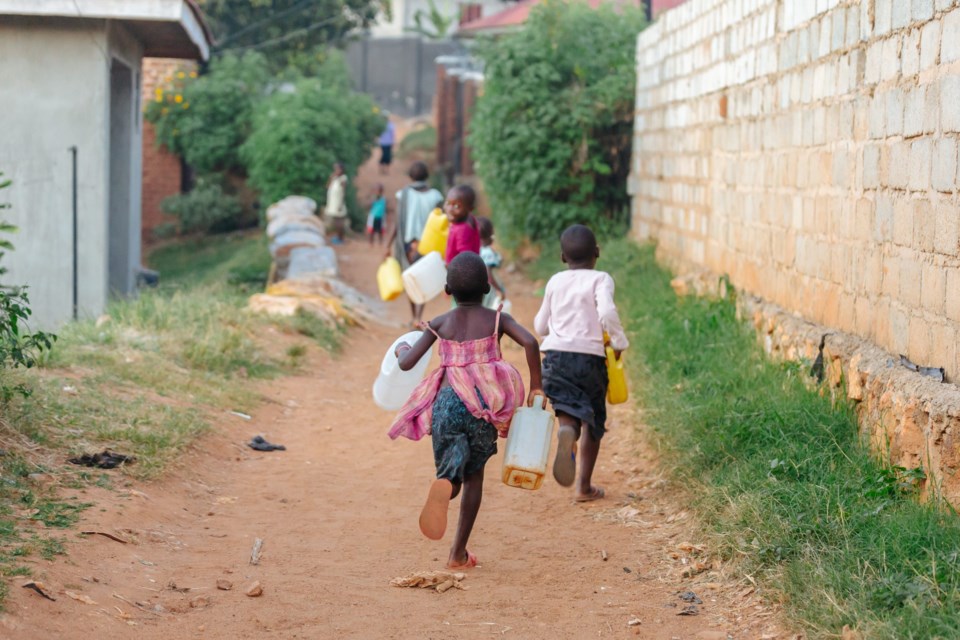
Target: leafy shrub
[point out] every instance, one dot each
(204, 119)
(203, 207)
(18, 346)
(300, 133)
(552, 133)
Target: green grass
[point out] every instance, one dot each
(145, 382)
(423, 140)
(777, 471)
(237, 258)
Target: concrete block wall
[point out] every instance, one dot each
(809, 149)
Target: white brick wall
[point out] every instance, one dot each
(809, 149)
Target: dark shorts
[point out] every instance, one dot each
(462, 443)
(377, 225)
(386, 153)
(576, 384)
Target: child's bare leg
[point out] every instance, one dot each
(589, 449)
(564, 465)
(469, 508)
(433, 516)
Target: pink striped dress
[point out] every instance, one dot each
(475, 365)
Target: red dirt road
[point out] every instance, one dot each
(338, 515)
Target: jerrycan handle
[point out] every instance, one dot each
(538, 402)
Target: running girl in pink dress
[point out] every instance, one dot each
(467, 402)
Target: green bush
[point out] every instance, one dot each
(18, 346)
(552, 133)
(300, 133)
(202, 208)
(204, 119)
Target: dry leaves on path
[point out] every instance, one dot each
(439, 580)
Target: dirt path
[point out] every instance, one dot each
(338, 515)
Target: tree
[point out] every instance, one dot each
(287, 30)
(299, 134)
(552, 132)
(204, 119)
(431, 24)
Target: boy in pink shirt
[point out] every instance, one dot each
(577, 308)
(464, 234)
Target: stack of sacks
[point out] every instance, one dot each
(297, 242)
(306, 269)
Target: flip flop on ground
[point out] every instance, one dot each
(433, 517)
(596, 493)
(565, 464)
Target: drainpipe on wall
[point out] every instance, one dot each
(73, 153)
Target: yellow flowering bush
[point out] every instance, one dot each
(205, 119)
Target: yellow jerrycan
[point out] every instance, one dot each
(388, 279)
(434, 236)
(616, 376)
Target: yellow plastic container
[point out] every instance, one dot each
(434, 236)
(617, 385)
(616, 376)
(388, 279)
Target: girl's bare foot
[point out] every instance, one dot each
(433, 517)
(595, 493)
(467, 562)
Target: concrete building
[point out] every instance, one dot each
(70, 75)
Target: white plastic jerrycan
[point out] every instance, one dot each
(424, 279)
(393, 386)
(528, 446)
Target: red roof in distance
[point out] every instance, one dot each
(516, 15)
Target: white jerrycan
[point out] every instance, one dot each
(528, 446)
(393, 386)
(424, 279)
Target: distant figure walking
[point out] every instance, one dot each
(414, 204)
(336, 207)
(386, 141)
(378, 211)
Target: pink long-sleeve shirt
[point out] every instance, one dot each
(463, 236)
(577, 308)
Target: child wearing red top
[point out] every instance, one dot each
(464, 234)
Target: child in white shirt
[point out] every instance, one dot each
(577, 308)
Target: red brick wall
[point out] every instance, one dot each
(162, 173)
(161, 178)
(444, 105)
(445, 118)
(469, 88)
